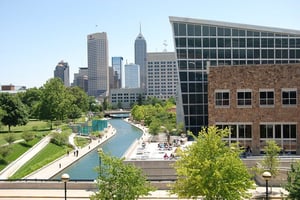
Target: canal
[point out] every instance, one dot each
(116, 146)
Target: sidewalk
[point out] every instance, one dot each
(58, 165)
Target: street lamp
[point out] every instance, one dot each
(267, 176)
(99, 156)
(65, 178)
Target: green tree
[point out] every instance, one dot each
(55, 101)
(31, 98)
(211, 169)
(271, 159)
(80, 98)
(118, 180)
(293, 181)
(15, 111)
(28, 136)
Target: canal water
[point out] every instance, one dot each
(116, 146)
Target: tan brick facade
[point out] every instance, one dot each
(256, 78)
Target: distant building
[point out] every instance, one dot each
(132, 76)
(162, 77)
(98, 82)
(81, 79)
(12, 89)
(126, 97)
(140, 56)
(117, 65)
(199, 42)
(62, 71)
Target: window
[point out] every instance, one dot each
(222, 98)
(266, 131)
(266, 98)
(289, 96)
(244, 98)
(245, 131)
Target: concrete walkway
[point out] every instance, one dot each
(15, 165)
(58, 165)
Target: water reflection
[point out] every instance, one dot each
(116, 146)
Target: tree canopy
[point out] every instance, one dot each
(14, 112)
(212, 169)
(293, 181)
(118, 180)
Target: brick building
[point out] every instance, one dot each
(258, 103)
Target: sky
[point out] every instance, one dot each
(35, 35)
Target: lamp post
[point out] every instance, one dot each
(267, 176)
(65, 178)
(99, 150)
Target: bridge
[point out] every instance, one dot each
(117, 113)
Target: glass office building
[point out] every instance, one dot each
(199, 43)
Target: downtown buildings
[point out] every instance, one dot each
(140, 56)
(202, 45)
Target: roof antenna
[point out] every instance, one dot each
(140, 28)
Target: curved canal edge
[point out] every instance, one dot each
(55, 167)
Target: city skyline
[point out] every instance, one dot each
(36, 35)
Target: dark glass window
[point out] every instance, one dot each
(298, 43)
(285, 43)
(191, 30)
(191, 42)
(221, 32)
(197, 42)
(205, 42)
(270, 53)
(264, 53)
(241, 32)
(181, 53)
(227, 32)
(256, 53)
(205, 30)
(264, 42)
(235, 42)
(244, 98)
(212, 42)
(285, 53)
(221, 53)
(277, 131)
(236, 53)
(183, 76)
(292, 53)
(182, 64)
(191, 54)
(235, 32)
(270, 42)
(266, 98)
(222, 98)
(197, 30)
(182, 42)
(289, 97)
(182, 29)
(278, 54)
(212, 31)
(227, 42)
(242, 54)
(242, 42)
(213, 54)
(250, 33)
(221, 42)
(256, 43)
(250, 53)
(176, 29)
(250, 42)
(184, 87)
(198, 54)
(227, 53)
(278, 43)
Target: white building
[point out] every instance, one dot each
(162, 75)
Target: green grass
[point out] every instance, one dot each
(50, 153)
(40, 128)
(16, 151)
(81, 141)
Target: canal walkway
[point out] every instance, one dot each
(53, 168)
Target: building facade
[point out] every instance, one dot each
(132, 76)
(126, 97)
(222, 43)
(81, 79)
(140, 58)
(162, 77)
(98, 82)
(263, 106)
(62, 71)
(117, 65)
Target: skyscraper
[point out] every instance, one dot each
(132, 75)
(62, 71)
(199, 42)
(117, 64)
(140, 56)
(97, 64)
(81, 79)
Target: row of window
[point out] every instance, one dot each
(238, 42)
(268, 131)
(205, 30)
(266, 97)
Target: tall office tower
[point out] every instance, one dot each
(97, 64)
(162, 75)
(81, 79)
(132, 76)
(117, 64)
(140, 56)
(222, 43)
(62, 71)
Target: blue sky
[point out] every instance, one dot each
(36, 34)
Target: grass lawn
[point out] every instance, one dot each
(40, 128)
(81, 141)
(50, 153)
(17, 150)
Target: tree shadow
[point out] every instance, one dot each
(24, 144)
(3, 162)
